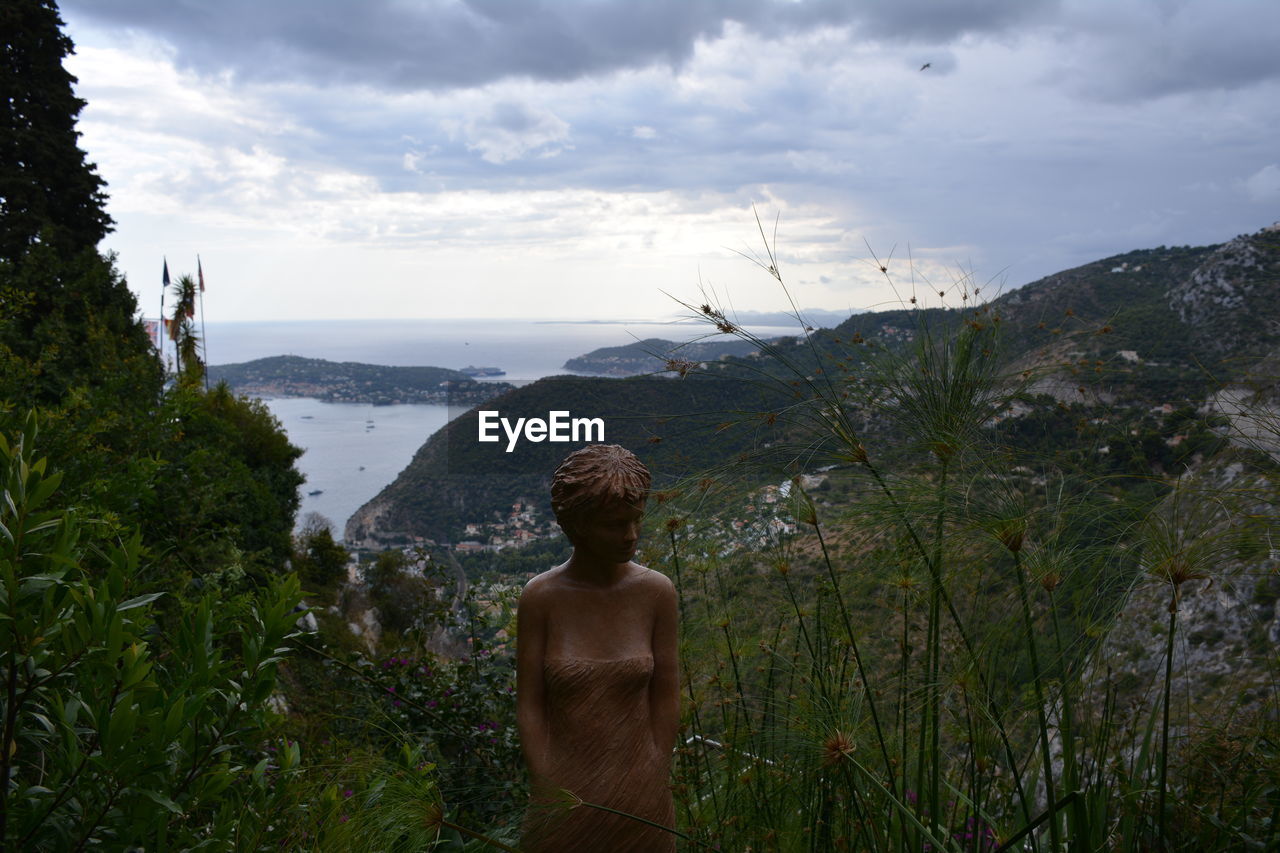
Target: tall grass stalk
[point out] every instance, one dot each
(1038, 682)
(835, 733)
(1161, 810)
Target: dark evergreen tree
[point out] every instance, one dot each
(48, 191)
(67, 320)
(208, 478)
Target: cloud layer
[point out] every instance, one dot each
(550, 147)
(446, 44)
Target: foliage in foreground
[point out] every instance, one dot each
(112, 733)
(919, 666)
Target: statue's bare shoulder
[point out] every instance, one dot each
(652, 579)
(651, 585)
(539, 588)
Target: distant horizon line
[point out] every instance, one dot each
(753, 317)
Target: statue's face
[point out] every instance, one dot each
(610, 533)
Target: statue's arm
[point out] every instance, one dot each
(664, 696)
(531, 711)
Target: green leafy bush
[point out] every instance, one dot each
(115, 731)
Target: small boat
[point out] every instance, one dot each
(315, 492)
(361, 468)
(471, 370)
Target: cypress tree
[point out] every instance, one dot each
(48, 190)
(66, 316)
(70, 343)
(208, 478)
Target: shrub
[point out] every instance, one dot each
(116, 732)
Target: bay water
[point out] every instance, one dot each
(353, 450)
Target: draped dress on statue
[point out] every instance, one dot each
(601, 749)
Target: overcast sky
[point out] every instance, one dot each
(586, 158)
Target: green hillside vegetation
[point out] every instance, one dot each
(1098, 347)
(651, 355)
(903, 669)
(455, 479)
(352, 382)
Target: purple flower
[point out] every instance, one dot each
(348, 793)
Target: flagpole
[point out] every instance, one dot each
(204, 338)
(164, 323)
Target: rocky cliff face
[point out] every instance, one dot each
(365, 526)
(1223, 283)
(1230, 299)
(1228, 616)
(1225, 521)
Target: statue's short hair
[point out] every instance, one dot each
(596, 475)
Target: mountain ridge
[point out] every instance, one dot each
(1111, 332)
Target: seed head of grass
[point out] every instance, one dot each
(1011, 533)
(681, 366)
(836, 747)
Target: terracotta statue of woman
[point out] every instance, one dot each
(596, 674)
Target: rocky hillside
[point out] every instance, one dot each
(1169, 329)
(1228, 612)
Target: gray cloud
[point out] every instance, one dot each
(1043, 135)
(459, 43)
(1136, 51)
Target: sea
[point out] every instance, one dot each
(352, 451)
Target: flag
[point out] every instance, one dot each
(200, 273)
(164, 322)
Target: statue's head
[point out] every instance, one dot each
(596, 478)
